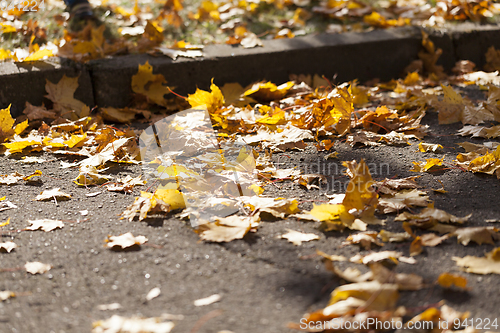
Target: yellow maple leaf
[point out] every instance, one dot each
(342, 100)
(172, 197)
(75, 140)
(447, 280)
(39, 55)
(7, 128)
(278, 118)
(62, 93)
(268, 91)
(360, 199)
(427, 165)
(212, 101)
(150, 85)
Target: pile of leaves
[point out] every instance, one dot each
(212, 165)
(175, 28)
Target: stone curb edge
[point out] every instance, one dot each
(377, 54)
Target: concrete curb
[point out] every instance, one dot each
(377, 54)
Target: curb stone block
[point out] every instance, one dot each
(380, 53)
(473, 45)
(25, 81)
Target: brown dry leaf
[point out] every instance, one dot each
(89, 175)
(447, 280)
(151, 85)
(364, 239)
(403, 200)
(481, 265)
(296, 237)
(404, 281)
(62, 93)
(480, 235)
(430, 216)
(432, 240)
(120, 324)
(310, 181)
(392, 237)
(226, 229)
(392, 186)
(7, 246)
(53, 194)
(126, 184)
(37, 267)
(124, 241)
(267, 91)
(45, 225)
(38, 112)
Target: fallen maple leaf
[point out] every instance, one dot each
(7, 246)
(480, 235)
(37, 267)
(7, 128)
(6, 294)
(365, 239)
(430, 163)
(62, 94)
(124, 241)
(382, 296)
(151, 85)
(426, 147)
(391, 237)
(212, 101)
(447, 280)
(45, 224)
(296, 237)
(53, 194)
(228, 228)
(481, 265)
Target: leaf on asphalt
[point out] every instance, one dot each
(150, 85)
(37, 267)
(125, 184)
(90, 175)
(271, 207)
(332, 257)
(207, 300)
(382, 296)
(480, 235)
(52, 194)
(45, 225)
(226, 229)
(481, 265)
(62, 95)
(361, 199)
(124, 241)
(118, 324)
(297, 237)
(403, 200)
(429, 164)
(153, 293)
(154, 203)
(483, 78)
(6, 294)
(392, 186)
(404, 281)
(350, 274)
(473, 130)
(393, 237)
(391, 256)
(488, 163)
(430, 216)
(7, 246)
(10, 179)
(447, 280)
(430, 147)
(4, 205)
(364, 239)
